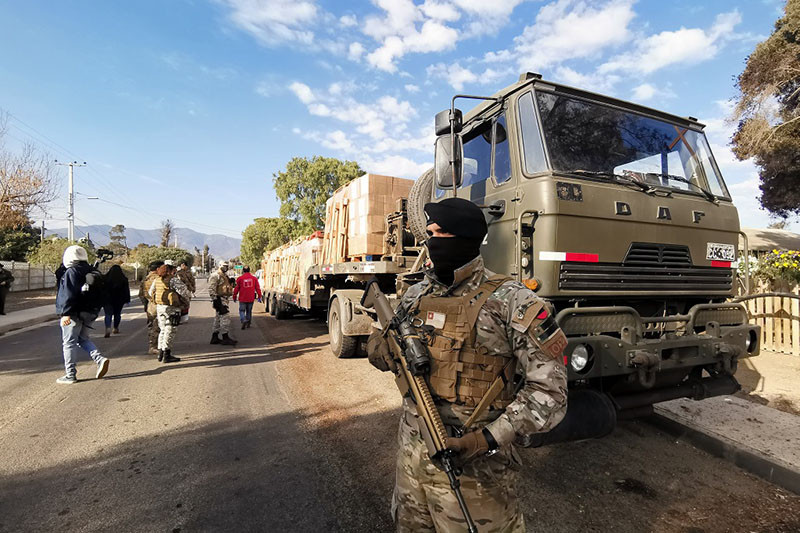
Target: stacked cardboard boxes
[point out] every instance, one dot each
(356, 217)
(284, 267)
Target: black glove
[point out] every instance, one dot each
(216, 303)
(378, 351)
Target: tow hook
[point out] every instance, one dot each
(646, 364)
(729, 355)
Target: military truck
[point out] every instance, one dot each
(619, 216)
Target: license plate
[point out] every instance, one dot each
(720, 252)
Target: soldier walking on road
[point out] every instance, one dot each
(220, 290)
(150, 307)
(6, 279)
(478, 326)
(170, 295)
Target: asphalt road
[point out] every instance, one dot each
(278, 435)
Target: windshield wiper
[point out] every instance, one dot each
(619, 177)
(708, 194)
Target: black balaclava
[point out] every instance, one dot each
(463, 219)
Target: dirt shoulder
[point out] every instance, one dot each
(772, 379)
(18, 301)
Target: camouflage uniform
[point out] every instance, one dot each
(166, 312)
(150, 310)
(422, 499)
(187, 278)
(219, 286)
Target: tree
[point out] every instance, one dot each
(166, 230)
(27, 181)
(145, 254)
(209, 259)
(306, 184)
(118, 242)
(768, 114)
(266, 234)
(50, 252)
(17, 243)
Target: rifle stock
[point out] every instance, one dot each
(410, 363)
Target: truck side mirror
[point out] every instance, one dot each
(444, 170)
(442, 122)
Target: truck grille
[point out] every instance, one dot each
(647, 267)
(653, 254)
(616, 277)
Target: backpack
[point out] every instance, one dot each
(94, 292)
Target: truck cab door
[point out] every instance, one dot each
(489, 182)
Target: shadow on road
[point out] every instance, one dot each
(218, 359)
(240, 475)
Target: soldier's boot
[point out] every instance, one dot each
(160, 355)
(215, 338)
(153, 350)
(169, 358)
(226, 340)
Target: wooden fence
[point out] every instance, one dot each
(779, 318)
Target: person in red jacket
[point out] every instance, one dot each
(246, 291)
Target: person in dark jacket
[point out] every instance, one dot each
(119, 294)
(75, 306)
(6, 279)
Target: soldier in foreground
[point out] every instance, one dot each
(478, 326)
(220, 290)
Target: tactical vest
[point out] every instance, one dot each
(462, 372)
(224, 287)
(164, 294)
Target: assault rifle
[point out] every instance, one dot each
(410, 363)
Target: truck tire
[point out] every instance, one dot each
(421, 193)
(282, 311)
(273, 304)
(342, 345)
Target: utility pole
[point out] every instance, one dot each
(41, 236)
(71, 197)
(176, 240)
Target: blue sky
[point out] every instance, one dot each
(185, 108)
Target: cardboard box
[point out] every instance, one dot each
(365, 244)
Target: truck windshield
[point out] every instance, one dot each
(592, 138)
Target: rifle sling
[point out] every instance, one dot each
(497, 386)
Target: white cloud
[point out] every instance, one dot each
(274, 22)
(395, 165)
(355, 51)
(570, 29)
(410, 87)
(302, 91)
(458, 76)
(348, 21)
(455, 74)
(440, 11)
(369, 119)
(685, 46)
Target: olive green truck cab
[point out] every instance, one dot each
(618, 215)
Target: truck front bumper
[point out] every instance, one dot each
(618, 341)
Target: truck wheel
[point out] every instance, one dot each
(266, 304)
(341, 345)
(421, 193)
(282, 311)
(273, 304)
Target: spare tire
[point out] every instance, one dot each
(421, 193)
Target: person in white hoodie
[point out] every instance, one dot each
(78, 305)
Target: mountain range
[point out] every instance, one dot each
(220, 246)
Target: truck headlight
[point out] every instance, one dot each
(579, 359)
